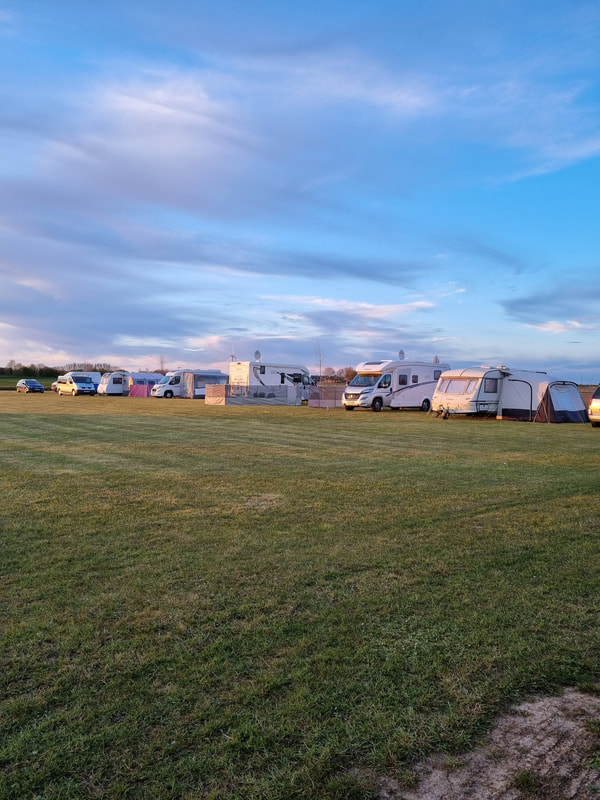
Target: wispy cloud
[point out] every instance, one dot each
(363, 310)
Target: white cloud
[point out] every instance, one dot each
(553, 326)
(366, 310)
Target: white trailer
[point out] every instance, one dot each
(523, 395)
(256, 373)
(188, 383)
(119, 383)
(393, 384)
(475, 390)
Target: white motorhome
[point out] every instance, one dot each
(188, 382)
(523, 395)
(119, 383)
(393, 384)
(256, 373)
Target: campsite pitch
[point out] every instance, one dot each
(218, 602)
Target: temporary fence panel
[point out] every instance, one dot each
(231, 395)
(325, 396)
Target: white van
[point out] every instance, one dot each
(188, 383)
(393, 384)
(75, 383)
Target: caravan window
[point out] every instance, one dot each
(436, 374)
(415, 378)
(402, 380)
(490, 385)
(457, 385)
(118, 380)
(443, 385)
(471, 386)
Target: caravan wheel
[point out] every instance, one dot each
(377, 404)
(426, 405)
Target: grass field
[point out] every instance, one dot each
(207, 602)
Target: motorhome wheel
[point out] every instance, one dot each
(377, 404)
(425, 405)
(169, 393)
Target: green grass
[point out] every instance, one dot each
(206, 602)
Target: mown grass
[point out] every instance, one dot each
(205, 602)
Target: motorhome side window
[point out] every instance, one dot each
(490, 385)
(402, 380)
(415, 378)
(436, 374)
(175, 380)
(385, 382)
(262, 370)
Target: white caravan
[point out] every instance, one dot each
(475, 390)
(393, 384)
(118, 383)
(255, 373)
(523, 395)
(188, 382)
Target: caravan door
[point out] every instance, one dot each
(488, 394)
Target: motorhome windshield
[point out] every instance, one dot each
(364, 379)
(165, 379)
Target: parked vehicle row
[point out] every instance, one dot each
(524, 395)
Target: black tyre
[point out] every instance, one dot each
(426, 405)
(349, 408)
(168, 393)
(377, 404)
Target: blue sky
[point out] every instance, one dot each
(184, 180)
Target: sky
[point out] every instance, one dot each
(325, 182)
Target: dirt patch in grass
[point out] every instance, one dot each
(545, 748)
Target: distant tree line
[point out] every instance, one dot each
(342, 375)
(43, 371)
(330, 375)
